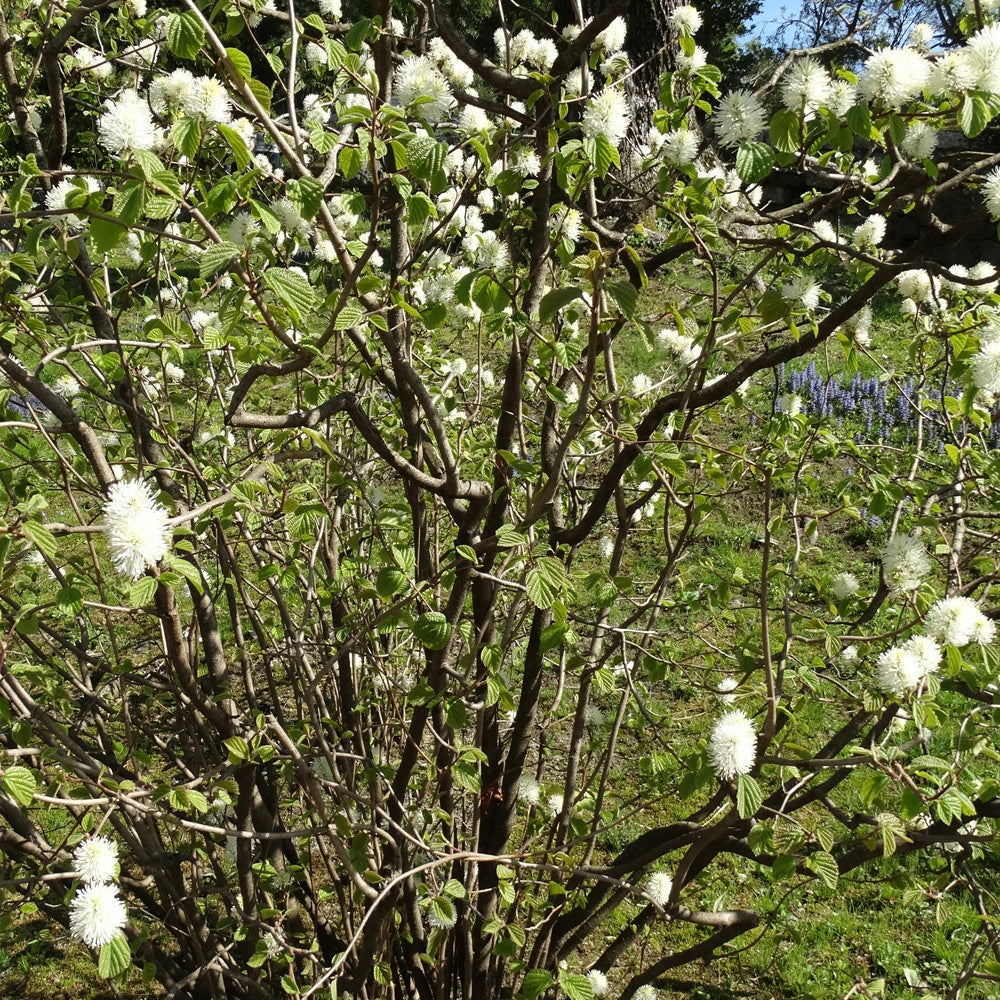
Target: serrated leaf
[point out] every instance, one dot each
(825, 866)
(754, 161)
(785, 132)
(69, 600)
(142, 592)
(974, 115)
(262, 92)
(129, 202)
(306, 194)
(432, 630)
(237, 145)
(238, 748)
(185, 34)
(186, 136)
(187, 570)
(42, 538)
(545, 581)
(148, 162)
(425, 156)
(241, 63)
(19, 783)
(106, 234)
(576, 986)
(351, 314)
(115, 957)
(556, 300)
(216, 257)
(389, 582)
(748, 796)
(293, 290)
(624, 295)
(535, 982)
(419, 208)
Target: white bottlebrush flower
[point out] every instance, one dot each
(850, 657)
(688, 65)
(331, 8)
(566, 223)
(555, 803)
(658, 888)
(904, 564)
(686, 19)
(92, 62)
(986, 366)
(920, 141)
(542, 54)
(642, 384)
(176, 89)
(790, 403)
(96, 859)
(606, 547)
(870, 233)
(844, 585)
(915, 284)
(420, 78)
(682, 347)
(955, 620)
(646, 992)
(127, 124)
(97, 915)
(802, 291)
(135, 525)
(173, 373)
(927, 652)
(680, 147)
(991, 193)
(806, 87)
(739, 118)
(612, 38)
(243, 227)
(824, 230)
(983, 53)
(893, 76)
(952, 74)
(732, 747)
(210, 101)
(598, 983)
(725, 688)
(529, 791)
(921, 35)
(858, 326)
(985, 273)
(898, 671)
(607, 114)
(842, 97)
(473, 120)
(316, 55)
(525, 162)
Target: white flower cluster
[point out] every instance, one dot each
(739, 118)
(658, 887)
(524, 51)
(904, 564)
(986, 363)
(136, 527)
(732, 747)
(686, 19)
(959, 621)
(127, 125)
(902, 669)
(197, 96)
(421, 86)
(607, 114)
(97, 913)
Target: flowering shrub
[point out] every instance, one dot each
(357, 457)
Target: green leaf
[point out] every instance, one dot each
(189, 571)
(351, 314)
(306, 194)
(142, 592)
(602, 155)
(238, 749)
(748, 796)
(825, 866)
(535, 982)
(241, 63)
(426, 156)
(262, 92)
(43, 539)
(129, 202)
(546, 581)
(186, 136)
(70, 600)
(292, 289)
(19, 783)
(785, 132)
(974, 115)
(115, 958)
(624, 295)
(106, 234)
(754, 161)
(419, 208)
(576, 986)
(389, 582)
(148, 162)
(215, 257)
(236, 143)
(358, 33)
(185, 34)
(431, 628)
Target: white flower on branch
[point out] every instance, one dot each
(732, 747)
(607, 114)
(598, 982)
(893, 76)
(135, 525)
(419, 78)
(904, 564)
(97, 915)
(959, 621)
(96, 859)
(739, 118)
(686, 19)
(806, 87)
(658, 888)
(127, 124)
(688, 65)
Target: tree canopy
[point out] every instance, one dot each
(416, 583)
